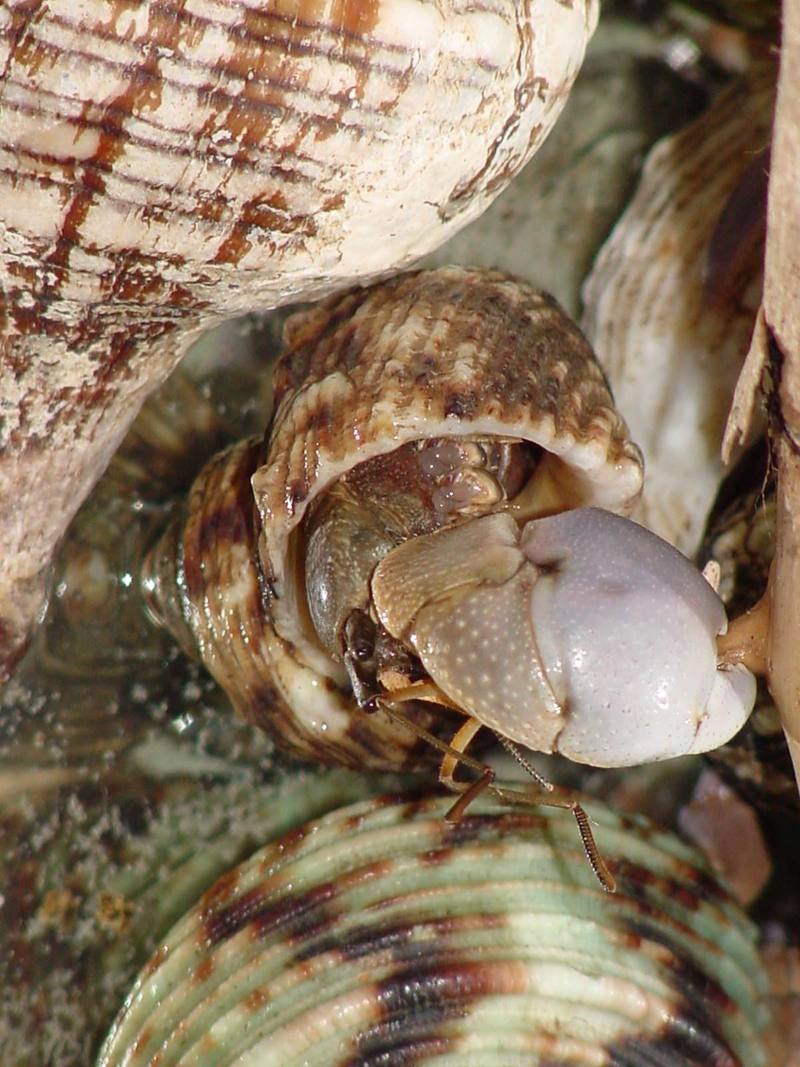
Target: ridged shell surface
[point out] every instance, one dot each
(672, 298)
(381, 935)
(166, 164)
(447, 352)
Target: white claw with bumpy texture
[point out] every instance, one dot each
(583, 634)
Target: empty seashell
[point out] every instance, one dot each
(166, 168)
(379, 934)
(672, 298)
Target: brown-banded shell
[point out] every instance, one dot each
(447, 353)
(672, 298)
(163, 168)
(380, 935)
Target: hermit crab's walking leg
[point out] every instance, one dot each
(454, 753)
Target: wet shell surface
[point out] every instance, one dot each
(672, 298)
(93, 875)
(548, 225)
(162, 167)
(380, 934)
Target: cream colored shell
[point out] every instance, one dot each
(162, 167)
(670, 323)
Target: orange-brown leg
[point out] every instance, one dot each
(455, 753)
(459, 742)
(747, 638)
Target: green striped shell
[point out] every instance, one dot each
(93, 876)
(381, 935)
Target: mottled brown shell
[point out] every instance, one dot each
(449, 352)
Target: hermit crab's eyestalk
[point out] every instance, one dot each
(582, 633)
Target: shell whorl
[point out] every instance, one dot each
(447, 352)
(170, 164)
(442, 353)
(379, 934)
(204, 582)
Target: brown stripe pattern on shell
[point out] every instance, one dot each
(380, 935)
(448, 352)
(165, 164)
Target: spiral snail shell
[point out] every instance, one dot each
(387, 543)
(379, 935)
(164, 167)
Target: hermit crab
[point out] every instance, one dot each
(427, 533)
(407, 557)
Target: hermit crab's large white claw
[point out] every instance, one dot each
(584, 634)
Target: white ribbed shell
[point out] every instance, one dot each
(164, 165)
(670, 325)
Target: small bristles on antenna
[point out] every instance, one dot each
(526, 765)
